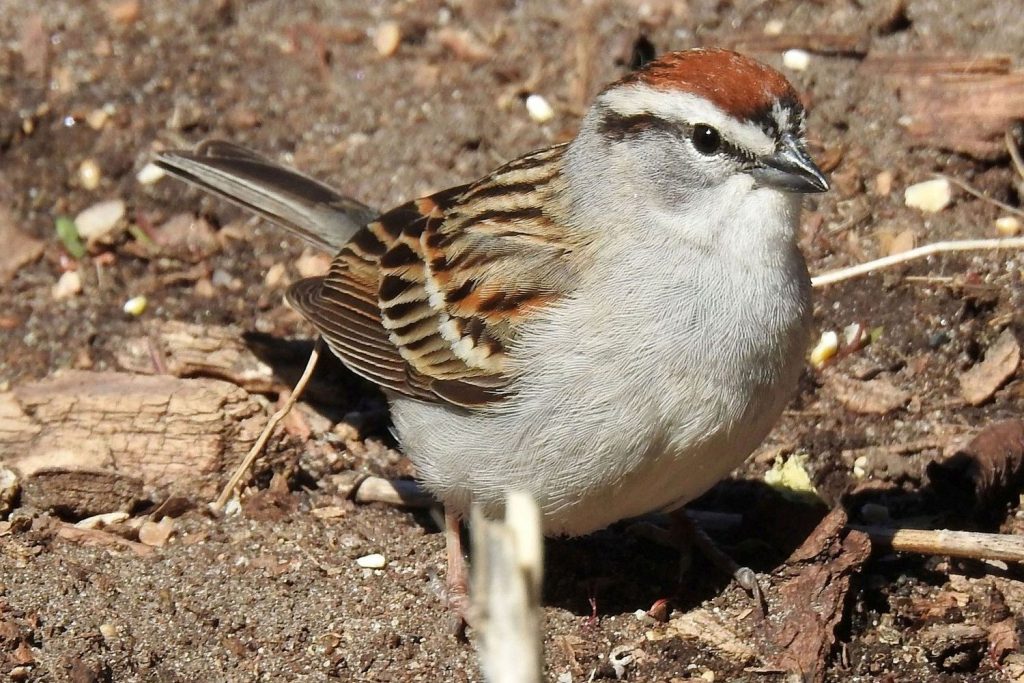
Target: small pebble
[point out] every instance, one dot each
(387, 38)
(539, 108)
(373, 561)
(89, 174)
(275, 276)
(797, 60)
(883, 183)
(108, 631)
(773, 27)
(149, 174)
(136, 305)
(825, 349)
(860, 466)
(1008, 226)
(931, 196)
(97, 118)
(69, 284)
(99, 219)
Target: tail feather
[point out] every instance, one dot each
(300, 204)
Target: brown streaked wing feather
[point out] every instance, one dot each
(426, 299)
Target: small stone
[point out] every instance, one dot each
(108, 631)
(149, 174)
(1008, 226)
(97, 118)
(773, 27)
(9, 489)
(69, 284)
(102, 520)
(124, 11)
(136, 306)
(931, 196)
(539, 108)
(372, 561)
(156, 533)
(387, 38)
(89, 174)
(883, 183)
(797, 60)
(312, 263)
(97, 221)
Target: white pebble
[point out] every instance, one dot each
(773, 27)
(825, 349)
(136, 305)
(797, 60)
(89, 174)
(1008, 226)
(387, 38)
(69, 284)
(99, 219)
(931, 196)
(149, 174)
(539, 108)
(373, 561)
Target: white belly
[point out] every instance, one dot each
(650, 414)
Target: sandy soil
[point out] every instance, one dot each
(274, 593)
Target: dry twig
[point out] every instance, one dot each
(834, 276)
(229, 489)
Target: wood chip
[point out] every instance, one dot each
(464, 45)
(710, 630)
(876, 396)
(97, 538)
(978, 384)
(187, 350)
(155, 534)
(174, 435)
(19, 249)
(962, 103)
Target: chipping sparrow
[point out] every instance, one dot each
(610, 325)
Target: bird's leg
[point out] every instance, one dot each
(457, 580)
(686, 530)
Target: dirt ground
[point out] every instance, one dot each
(88, 91)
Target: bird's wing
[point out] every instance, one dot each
(307, 207)
(427, 299)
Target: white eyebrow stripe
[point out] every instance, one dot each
(673, 105)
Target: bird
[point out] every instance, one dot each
(610, 325)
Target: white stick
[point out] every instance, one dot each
(834, 276)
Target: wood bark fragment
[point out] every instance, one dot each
(710, 630)
(19, 249)
(172, 435)
(868, 397)
(187, 350)
(963, 103)
(809, 597)
(979, 383)
(986, 472)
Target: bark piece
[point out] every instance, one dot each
(187, 350)
(869, 397)
(986, 472)
(960, 103)
(1000, 363)
(173, 435)
(69, 492)
(19, 249)
(710, 630)
(811, 596)
(954, 647)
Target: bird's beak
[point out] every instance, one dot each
(790, 169)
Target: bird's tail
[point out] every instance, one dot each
(307, 207)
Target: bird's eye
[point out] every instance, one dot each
(706, 139)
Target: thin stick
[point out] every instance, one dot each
(1015, 156)
(834, 276)
(970, 544)
(971, 190)
(300, 386)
